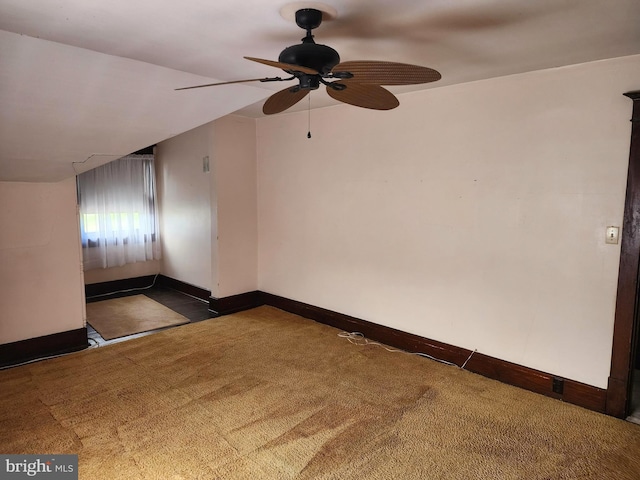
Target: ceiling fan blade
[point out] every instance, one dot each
(284, 66)
(364, 95)
(279, 102)
(233, 81)
(387, 73)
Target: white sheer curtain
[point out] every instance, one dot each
(118, 217)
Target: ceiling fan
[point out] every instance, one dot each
(357, 83)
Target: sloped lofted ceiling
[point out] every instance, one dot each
(83, 83)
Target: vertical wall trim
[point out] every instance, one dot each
(620, 378)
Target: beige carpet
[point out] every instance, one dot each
(119, 317)
(268, 395)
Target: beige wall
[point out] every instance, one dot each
(40, 262)
(209, 220)
(185, 207)
(472, 214)
(235, 190)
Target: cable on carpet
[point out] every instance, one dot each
(34, 360)
(357, 338)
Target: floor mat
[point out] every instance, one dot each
(119, 317)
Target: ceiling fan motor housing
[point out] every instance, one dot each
(311, 55)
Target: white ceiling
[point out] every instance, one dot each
(83, 83)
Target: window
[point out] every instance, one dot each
(118, 218)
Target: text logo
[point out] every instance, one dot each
(50, 467)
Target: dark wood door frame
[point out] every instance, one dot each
(624, 330)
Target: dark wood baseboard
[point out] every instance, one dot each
(567, 390)
(100, 291)
(55, 344)
(180, 286)
(235, 303)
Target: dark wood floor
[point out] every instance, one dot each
(193, 308)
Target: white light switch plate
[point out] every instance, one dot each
(613, 234)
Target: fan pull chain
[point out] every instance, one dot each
(309, 118)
